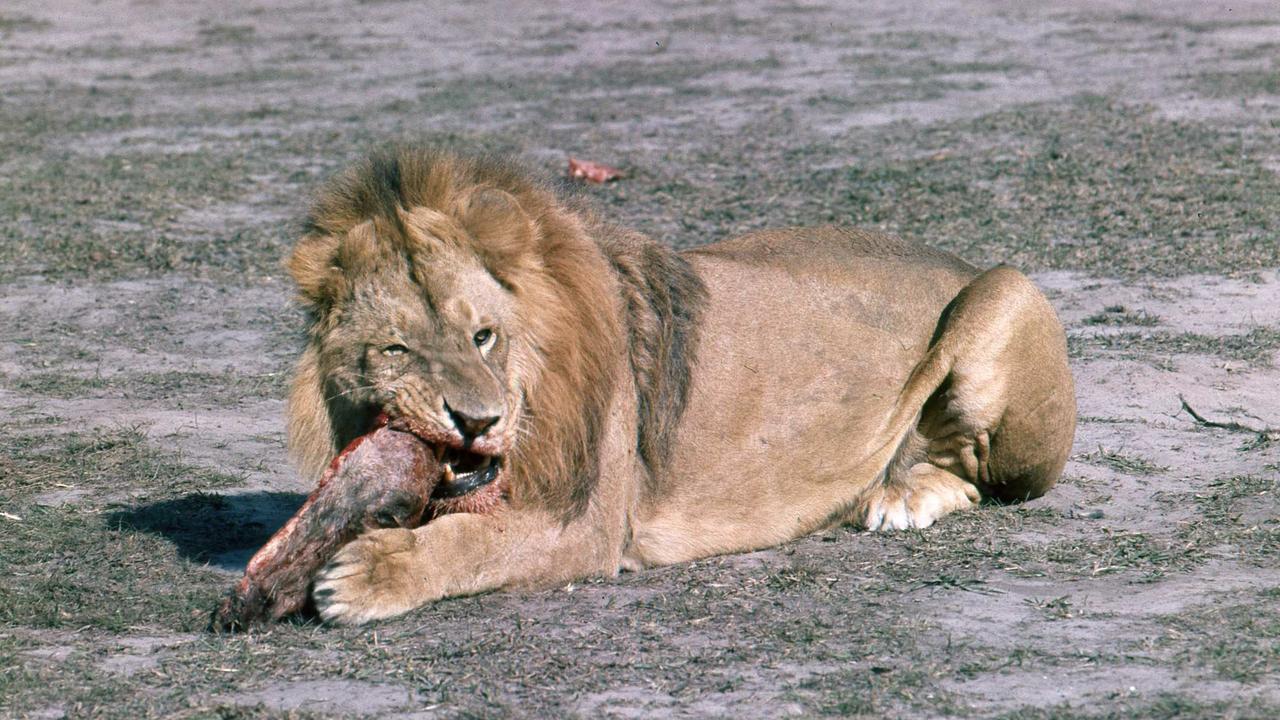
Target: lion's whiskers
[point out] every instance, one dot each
(335, 396)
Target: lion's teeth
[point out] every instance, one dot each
(448, 473)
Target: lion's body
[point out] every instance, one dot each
(809, 335)
(651, 407)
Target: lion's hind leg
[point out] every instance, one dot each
(995, 406)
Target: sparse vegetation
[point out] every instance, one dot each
(1058, 608)
(10, 23)
(149, 186)
(1120, 315)
(1123, 463)
(1239, 642)
(1257, 346)
(1239, 83)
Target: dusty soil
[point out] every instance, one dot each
(153, 156)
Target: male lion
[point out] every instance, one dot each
(604, 403)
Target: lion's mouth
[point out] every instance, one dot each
(468, 465)
(464, 471)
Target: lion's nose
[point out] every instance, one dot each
(471, 426)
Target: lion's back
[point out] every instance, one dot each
(836, 274)
(832, 248)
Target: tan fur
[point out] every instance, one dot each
(656, 407)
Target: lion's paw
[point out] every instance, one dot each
(370, 578)
(928, 493)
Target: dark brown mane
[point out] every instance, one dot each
(665, 301)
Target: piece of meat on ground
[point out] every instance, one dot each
(382, 479)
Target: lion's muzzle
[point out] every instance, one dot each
(470, 462)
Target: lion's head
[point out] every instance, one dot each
(471, 307)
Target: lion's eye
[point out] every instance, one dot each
(483, 337)
(392, 350)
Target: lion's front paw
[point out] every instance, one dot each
(370, 578)
(928, 494)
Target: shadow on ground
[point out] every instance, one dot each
(222, 530)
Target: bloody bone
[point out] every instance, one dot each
(382, 479)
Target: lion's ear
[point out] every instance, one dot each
(497, 223)
(313, 266)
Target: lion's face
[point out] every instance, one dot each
(425, 334)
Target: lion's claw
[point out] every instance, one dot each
(370, 578)
(929, 494)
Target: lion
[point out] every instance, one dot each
(604, 403)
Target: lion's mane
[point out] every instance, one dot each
(567, 298)
(587, 292)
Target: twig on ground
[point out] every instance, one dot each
(1263, 435)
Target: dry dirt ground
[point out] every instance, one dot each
(154, 155)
